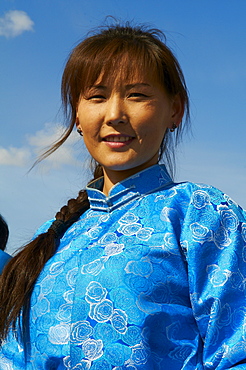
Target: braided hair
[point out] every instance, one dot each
(22, 271)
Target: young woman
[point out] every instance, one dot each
(137, 272)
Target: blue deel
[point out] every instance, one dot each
(152, 276)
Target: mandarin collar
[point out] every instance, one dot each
(141, 183)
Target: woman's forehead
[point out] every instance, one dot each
(124, 77)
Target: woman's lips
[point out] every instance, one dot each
(118, 138)
(118, 141)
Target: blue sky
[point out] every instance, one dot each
(208, 38)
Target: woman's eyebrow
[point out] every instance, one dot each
(102, 87)
(138, 84)
(128, 86)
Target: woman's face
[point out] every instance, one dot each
(123, 123)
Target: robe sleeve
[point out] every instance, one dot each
(214, 240)
(4, 258)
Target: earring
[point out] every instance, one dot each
(174, 126)
(79, 131)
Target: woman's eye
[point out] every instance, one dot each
(137, 95)
(96, 97)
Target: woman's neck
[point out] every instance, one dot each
(112, 177)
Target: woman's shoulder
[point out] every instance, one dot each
(201, 195)
(43, 228)
(201, 189)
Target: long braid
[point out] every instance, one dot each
(20, 274)
(69, 214)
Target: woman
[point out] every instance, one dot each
(137, 272)
(4, 235)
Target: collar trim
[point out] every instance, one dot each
(151, 179)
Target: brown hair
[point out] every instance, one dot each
(113, 50)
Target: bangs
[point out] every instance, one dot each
(117, 60)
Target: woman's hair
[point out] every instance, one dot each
(4, 233)
(121, 51)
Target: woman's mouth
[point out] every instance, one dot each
(118, 141)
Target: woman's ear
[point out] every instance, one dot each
(177, 110)
(77, 121)
(79, 131)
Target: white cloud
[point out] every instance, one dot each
(14, 23)
(14, 156)
(44, 139)
(36, 144)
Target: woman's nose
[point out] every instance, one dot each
(115, 111)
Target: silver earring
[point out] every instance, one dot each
(174, 126)
(79, 131)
